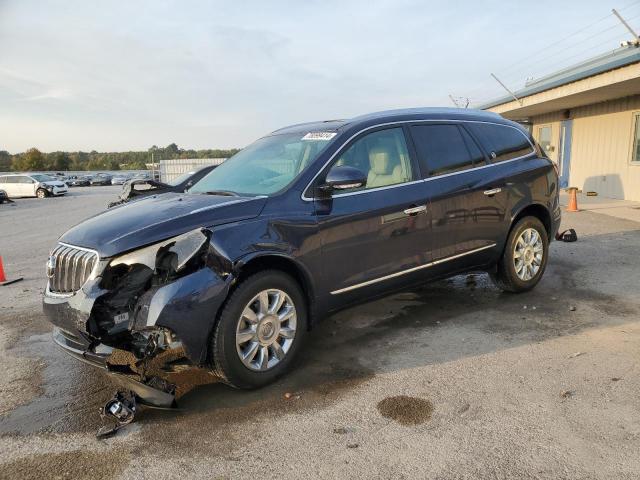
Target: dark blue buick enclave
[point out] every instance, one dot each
(305, 221)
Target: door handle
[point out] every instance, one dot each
(492, 192)
(415, 210)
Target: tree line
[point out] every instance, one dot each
(35, 160)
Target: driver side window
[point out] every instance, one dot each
(382, 156)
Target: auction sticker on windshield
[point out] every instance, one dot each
(319, 136)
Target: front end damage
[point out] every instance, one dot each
(159, 299)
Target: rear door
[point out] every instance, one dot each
(505, 183)
(26, 186)
(459, 182)
(375, 237)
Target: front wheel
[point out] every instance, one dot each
(259, 330)
(524, 258)
(41, 193)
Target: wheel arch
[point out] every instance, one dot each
(536, 210)
(277, 261)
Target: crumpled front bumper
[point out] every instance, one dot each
(187, 307)
(98, 356)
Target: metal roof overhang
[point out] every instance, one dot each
(599, 80)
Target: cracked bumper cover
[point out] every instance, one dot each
(98, 355)
(186, 306)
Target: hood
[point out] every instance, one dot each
(55, 183)
(157, 218)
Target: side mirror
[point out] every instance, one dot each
(343, 178)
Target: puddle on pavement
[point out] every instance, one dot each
(406, 410)
(77, 464)
(73, 393)
(332, 364)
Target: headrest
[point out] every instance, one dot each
(379, 161)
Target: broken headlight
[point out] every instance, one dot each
(168, 259)
(130, 278)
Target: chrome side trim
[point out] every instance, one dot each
(403, 122)
(409, 270)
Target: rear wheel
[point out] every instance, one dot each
(260, 330)
(525, 257)
(41, 193)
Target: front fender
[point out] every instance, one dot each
(188, 307)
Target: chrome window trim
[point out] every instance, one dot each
(403, 122)
(410, 270)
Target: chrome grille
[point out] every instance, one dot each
(73, 266)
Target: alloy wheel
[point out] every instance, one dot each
(527, 254)
(266, 330)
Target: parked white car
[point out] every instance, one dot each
(31, 185)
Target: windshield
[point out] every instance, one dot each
(42, 178)
(178, 180)
(266, 166)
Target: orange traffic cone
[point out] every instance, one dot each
(573, 200)
(3, 279)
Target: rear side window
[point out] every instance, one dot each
(11, 179)
(445, 149)
(4, 179)
(503, 141)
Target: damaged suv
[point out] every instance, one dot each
(305, 221)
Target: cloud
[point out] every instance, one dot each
(126, 75)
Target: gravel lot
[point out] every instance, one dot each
(455, 380)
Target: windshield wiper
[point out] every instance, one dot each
(226, 193)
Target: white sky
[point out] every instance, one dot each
(125, 75)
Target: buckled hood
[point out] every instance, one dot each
(157, 218)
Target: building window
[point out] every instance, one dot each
(635, 153)
(544, 138)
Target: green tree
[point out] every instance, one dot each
(5, 161)
(32, 160)
(61, 161)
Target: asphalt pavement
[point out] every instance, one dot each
(452, 380)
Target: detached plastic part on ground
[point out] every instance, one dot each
(567, 236)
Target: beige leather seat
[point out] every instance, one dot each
(382, 171)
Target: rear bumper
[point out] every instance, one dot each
(556, 218)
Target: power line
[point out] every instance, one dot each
(513, 78)
(571, 35)
(528, 59)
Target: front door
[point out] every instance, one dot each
(564, 152)
(376, 236)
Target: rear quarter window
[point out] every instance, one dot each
(504, 142)
(445, 148)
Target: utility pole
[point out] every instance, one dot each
(636, 39)
(508, 91)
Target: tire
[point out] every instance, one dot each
(264, 330)
(515, 280)
(41, 193)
